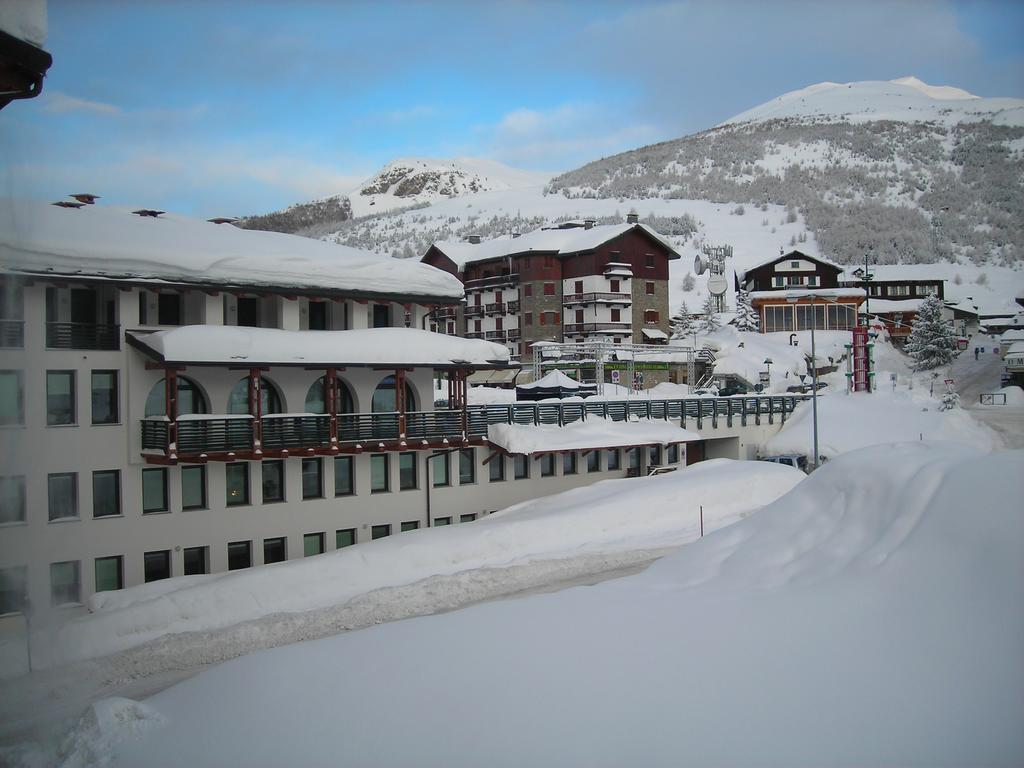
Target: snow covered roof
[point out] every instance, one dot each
(233, 345)
(554, 379)
(804, 293)
(107, 242)
(654, 333)
(558, 241)
(790, 255)
(591, 434)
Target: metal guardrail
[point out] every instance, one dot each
(219, 434)
(12, 334)
(83, 336)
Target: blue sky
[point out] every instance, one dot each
(228, 108)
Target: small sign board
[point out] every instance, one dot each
(763, 376)
(615, 377)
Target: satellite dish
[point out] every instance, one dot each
(700, 264)
(717, 285)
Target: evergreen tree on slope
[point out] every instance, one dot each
(746, 317)
(931, 342)
(682, 322)
(711, 321)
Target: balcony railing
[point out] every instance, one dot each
(221, 434)
(495, 308)
(493, 281)
(12, 334)
(512, 307)
(512, 334)
(495, 335)
(597, 298)
(474, 334)
(444, 313)
(571, 328)
(83, 336)
(476, 311)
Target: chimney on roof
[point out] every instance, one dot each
(633, 218)
(589, 223)
(474, 239)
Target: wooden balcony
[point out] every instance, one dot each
(597, 298)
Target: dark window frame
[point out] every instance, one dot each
(165, 505)
(116, 474)
(113, 409)
(50, 496)
(51, 418)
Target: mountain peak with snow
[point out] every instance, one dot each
(410, 181)
(907, 99)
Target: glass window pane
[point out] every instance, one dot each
(312, 544)
(440, 470)
(547, 465)
(406, 471)
(380, 531)
(273, 481)
(568, 463)
(60, 397)
(11, 403)
(13, 583)
(239, 555)
(673, 454)
(312, 484)
(439, 521)
(109, 574)
(156, 565)
(193, 487)
(196, 559)
(65, 584)
(343, 485)
(154, 490)
(378, 473)
(410, 525)
(467, 518)
(63, 495)
(12, 499)
(104, 397)
(106, 493)
(345, 537)
(237, 482)
(612, 459)
(496, 468)
(522, 467)
(467, 466)
(594, 461)
(654, 455)
(275, 550)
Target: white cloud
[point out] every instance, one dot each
(60, 103)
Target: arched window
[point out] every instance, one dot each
(190, 398)
(316, 400)
(384, 397)
(238, 400)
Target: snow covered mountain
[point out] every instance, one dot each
(415, 181)
(901, 171)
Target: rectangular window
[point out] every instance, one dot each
(439, 521)
(380, 531)
(651, 316)
(547, 465)
(794, 265)
(236, 482)
(467, 466)
(248, 311)
(577, 286)
(60, 397)
(63, 495)
(312, 544)
(528, 290)
(633, 459)
(467, 518)
(528, 318)
(343, 485)
(109, 573)
(410, 525)
(496, 469)
(12, 405)
(154, 490)
(542, 318)
(345, 537)
(318, 315)
(275, 550)
(648, 288)
(649, 260)
(239, 555)
(312, 478)
(614, 286)
(441, 470)
(612, 459)
(104, 397)
(549, 289)
(594, 461)
(13, 583)
(273, 481)
(12, 499)
(521, 466)
(197, 560)
(812, 280)
(193, 487)
(406, 471)
(106, 493)
(653, 455)
(673, 454)
(156, 565)
(381, 315)
(379, 481)
(778, 282)
(65, 583)
(616, 315)
(168, 309)
(579, 315)
(568, 463)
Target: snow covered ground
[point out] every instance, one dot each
(871, 616)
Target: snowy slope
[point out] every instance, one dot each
(907, 99)
(869, 617)
(415, 181)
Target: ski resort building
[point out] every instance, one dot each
(575, 282)
(796, 292)
(180, 397)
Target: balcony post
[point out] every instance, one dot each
(256, 409)
(331, 397)
(171, 409)
(400, 400)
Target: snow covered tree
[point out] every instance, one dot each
(689, 282)
(746, 317)
(950, 400)
(932, 341)
(682, 323)
(711, 321)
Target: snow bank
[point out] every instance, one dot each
(583, 435)
(662, 512)
(848, 422)
(870, 617)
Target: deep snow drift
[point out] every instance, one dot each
(872, 616)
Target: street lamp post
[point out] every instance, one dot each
(768, 362)
(814, 379)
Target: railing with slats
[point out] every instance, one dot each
(83, 336)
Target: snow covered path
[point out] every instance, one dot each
(975, 377)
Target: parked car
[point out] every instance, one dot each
(733, 389)
(795, 460)
(805, 388)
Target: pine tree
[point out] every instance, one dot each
(931, 342)
(746, 317)
(682, 323)
(711, 321)
(950, 400)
